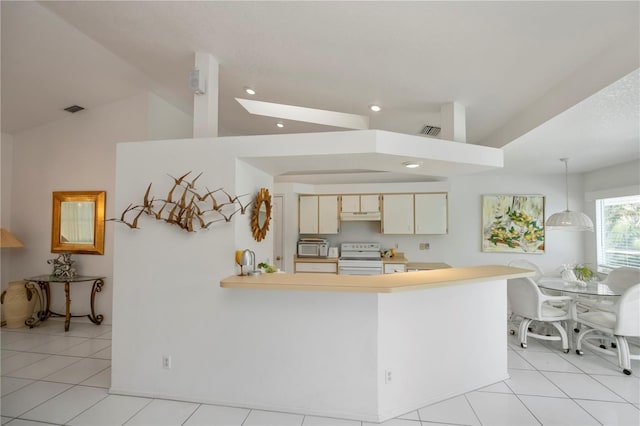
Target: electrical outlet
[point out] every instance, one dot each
(166, 362)
(387, 376)
(396, 245)
(424, 246)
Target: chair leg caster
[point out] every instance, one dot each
(523, 345)
(566, 351)
(627, 372)
(579, 352)
(576, 330)
(603, 347)
(512, 332)
(614, 345)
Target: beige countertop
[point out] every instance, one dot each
(398, 258)
(388, 283)
(427, 265)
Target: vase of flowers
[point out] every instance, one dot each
(583, 272)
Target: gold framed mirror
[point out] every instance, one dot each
(261, 214)
(78, 222)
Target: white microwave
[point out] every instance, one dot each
(313, 248)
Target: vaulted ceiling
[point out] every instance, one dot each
(543, 79)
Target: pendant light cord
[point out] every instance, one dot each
(566, 179)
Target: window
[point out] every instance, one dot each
(618, 232)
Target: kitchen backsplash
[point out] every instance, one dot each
(409, 244)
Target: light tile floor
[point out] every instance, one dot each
(53, 377)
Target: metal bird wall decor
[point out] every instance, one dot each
(184, 206)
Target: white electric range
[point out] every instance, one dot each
(360, 259)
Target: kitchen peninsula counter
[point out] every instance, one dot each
(387, 283)
(368, 348)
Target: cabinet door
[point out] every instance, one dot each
(431, 213)
(390, 268)
(350, 203)
(370, 203)
(328, 214)
(326, 268)
(308, 214)
(397, 213)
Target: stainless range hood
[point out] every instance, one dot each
(360, 216)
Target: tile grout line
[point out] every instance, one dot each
(191, 415)
(466, 398)
(73, 386)
(139, 410)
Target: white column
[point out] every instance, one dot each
(453, 122)
(205, 106)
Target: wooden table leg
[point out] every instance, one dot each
(67, 318)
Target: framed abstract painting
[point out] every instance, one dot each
(513, 223)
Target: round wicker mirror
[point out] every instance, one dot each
(261, 214)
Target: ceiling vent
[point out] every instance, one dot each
(74, 108)
(430, 130)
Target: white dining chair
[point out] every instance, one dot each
(528, 302)
(525, 264)
(618, 279)
(617, 324)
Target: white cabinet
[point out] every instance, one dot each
(414, 213)
(350, 204)
(366, 203)
(328, 222)
(316, 267)
(308, 214)
(430, 213)
(390, 268)
(397, 214)
(318, 214)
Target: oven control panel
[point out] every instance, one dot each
(359, 247)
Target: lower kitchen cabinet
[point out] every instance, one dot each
(390, 268)
(317, 267)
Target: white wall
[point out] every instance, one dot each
(462, 246)
(6, 171)
(165, 121)
(167, 298)
(249, 180)
(73, 154)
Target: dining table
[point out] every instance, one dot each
(596, 289)
(589, 291)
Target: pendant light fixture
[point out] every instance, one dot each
(568, 220)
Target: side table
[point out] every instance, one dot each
(44, 283)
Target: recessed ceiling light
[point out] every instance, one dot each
(411, 164)
(375, 108)
(249, 91)
(280, 124)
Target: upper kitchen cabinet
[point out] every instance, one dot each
(397, 214)
(414, 213)
(360, 207)
(308, 214)
(318, 214)
(430, 213)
